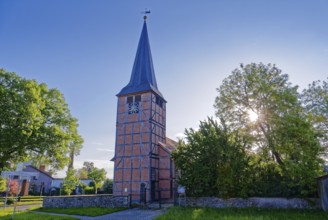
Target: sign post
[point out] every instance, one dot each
(182, 195)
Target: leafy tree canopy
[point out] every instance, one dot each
(35, 123)
(107, 186)
(261, 90)
(70, 182)
(270, 137)
(281, 132)
(3, 184)
(92, 172)
(315, 101)
(212, 161)
(82, 173)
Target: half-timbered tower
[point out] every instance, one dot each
(143, 167)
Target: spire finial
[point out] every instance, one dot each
(145, 12)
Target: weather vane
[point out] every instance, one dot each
(145, 12)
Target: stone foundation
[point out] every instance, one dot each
(214, 202)
(104, 201)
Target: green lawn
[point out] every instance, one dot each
(26, 215)
(29, 203)
(81, 211)
(24, 200)
(179, 213)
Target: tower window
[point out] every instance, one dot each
(159, 101)
(129, 99)
(137, 98)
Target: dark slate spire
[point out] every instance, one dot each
(143, 75)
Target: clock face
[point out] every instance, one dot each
(133, 107)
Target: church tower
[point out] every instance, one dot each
(142, 168)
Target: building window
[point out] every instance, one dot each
(129, 99)
(159, 101)
(137, 98)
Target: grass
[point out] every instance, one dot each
(26, 215)
(241, 214)
(29, 203)
(96, 211)
(24, 200)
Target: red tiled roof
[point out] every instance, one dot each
(170, 145)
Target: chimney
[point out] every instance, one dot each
(42, 168)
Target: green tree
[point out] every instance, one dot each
(70, 182)
(35, 123)
(261, 90)
(98, 176)
(315, 101)
(3, 185)
(281, 132)
(82, 173)
(90, 171)
(297, 142)
(107, 186)
(88, 166)
(212, 161)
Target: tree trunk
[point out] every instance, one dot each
(70, 166)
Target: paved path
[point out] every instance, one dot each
(129, 214)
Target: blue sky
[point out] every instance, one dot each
(86, 49)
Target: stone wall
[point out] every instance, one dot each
(215, 202)
(104, 201)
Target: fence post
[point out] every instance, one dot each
(130, 200)
(159, 199)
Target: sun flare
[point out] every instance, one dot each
(253, 116)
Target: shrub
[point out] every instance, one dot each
(2, 184)
(10, 201)
(89, 190)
